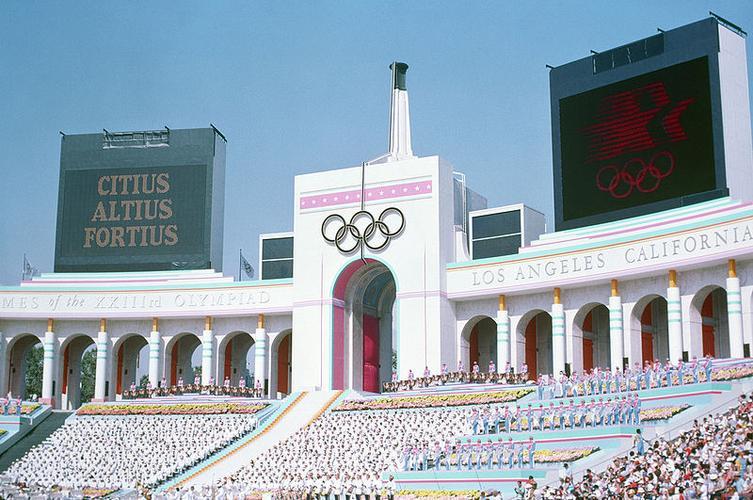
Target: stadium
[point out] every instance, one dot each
(404, 339)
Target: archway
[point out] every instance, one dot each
(24, 362)
(479, 342)
(126, 362)
(709, 308)
(537, 332)
(236, 353)
(284, 365)
(364, 296)
(654, 332)
(593, 322)
(79, 359)
(179, 358)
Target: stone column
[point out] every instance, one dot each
(674, 318)
(207, 353)
(558, 334)
(260, 351)
(103, 353)
(616, 336)
(734, 312)
(155, 354)
(48, 364)
(503, 335)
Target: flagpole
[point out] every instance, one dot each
(240, 263)
(23, 273)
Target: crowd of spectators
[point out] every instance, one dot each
(180, 388)
(121, 452)
(346, 452)
(710, 460)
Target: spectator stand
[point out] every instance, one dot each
(611, 440)
(242, 449)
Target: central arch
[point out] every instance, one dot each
(363, 302)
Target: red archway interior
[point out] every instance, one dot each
(119, 384)
(647, 345)
(588, 344)
(283, 365)
(64, 389)
(707, 326)
(228, 359)
(473, 349)
(531, 349)
(370, 353)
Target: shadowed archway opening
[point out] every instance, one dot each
(654, 329)
(236, 358)
(709, 320)
(24, 362)
(78, 365)
(537, 334)
(364, 298)
(179, 359)
(126, 362)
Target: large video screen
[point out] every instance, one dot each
(638, 141)
(133, 218)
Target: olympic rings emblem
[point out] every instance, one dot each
(635, 174)
(363, 229)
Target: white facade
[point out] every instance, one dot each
(427, 303)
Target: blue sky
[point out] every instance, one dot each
(296, 87)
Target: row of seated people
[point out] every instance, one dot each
(226, 389)
(459, 376)
(600, 381)
(622, 410)
(591, 382)
(467, 456)
(713, 459)
(117, 452)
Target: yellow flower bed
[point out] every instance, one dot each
(433, 401)
(169, 409)
(438, 495)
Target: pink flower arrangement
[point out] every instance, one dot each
(170, 409)
(733, 373)
(433, 401)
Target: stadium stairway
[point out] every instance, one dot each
(296, 411)
(33, 438)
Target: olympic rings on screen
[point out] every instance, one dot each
(635, 174)
(362, 229)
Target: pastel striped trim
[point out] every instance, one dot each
(370, 194)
